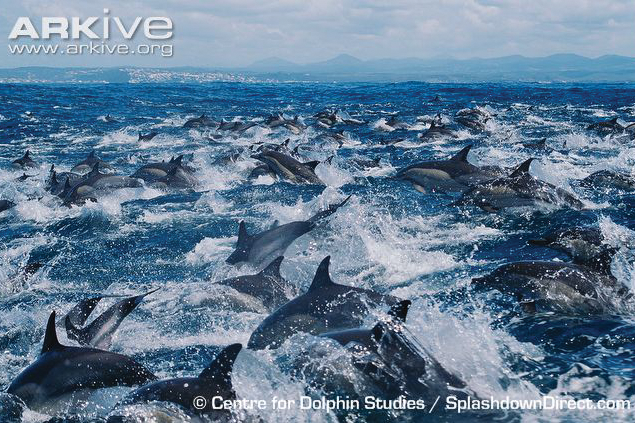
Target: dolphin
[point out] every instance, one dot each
(453, 175)
(392, 358)
(110, 119)
(96, 183)
(609, 179)
(564, 287)
(24, 177)
(608, 126)
(395, 123)
(24, 162)
(6, 205)
(62, 370)
(260, 248)
(538, 145)
(89, 162)
(325, 307)
(235, 126)
(199, 122)
(268, 286)
(148, 136)
(437, 130)
(474, 119)
(517, 190)
(57, 182)
(214, 381)
(580, 243)
(99, 332)
(286, 167)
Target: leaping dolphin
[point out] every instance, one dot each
(325, 307)
(95, 183)
(99, 332)
(89, 163)
(453, 175)
(262, 247)
(520, 189)
(214, 381)
(286, 167)
(61, 370)
(393, 359)
(25, 162)
(268, 286)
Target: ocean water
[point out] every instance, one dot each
(389, 237)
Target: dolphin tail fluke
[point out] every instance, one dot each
(325, 213)
(51, 342)
(461, 156)
(522, 169)
(80, 313)
(220, 370)
(99, 333)
(273, 269)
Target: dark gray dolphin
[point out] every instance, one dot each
(286, 167)
(580, 243)
(6, 205)
(474, 119)
(148, 136)
(260, 248)
(557, 286)
(24, 162)
(56, 182)
(267, 286)
(61, 370)
(325, 307)
(538, 145)
(609, 179)
(437, 130)
(395, 123)
(99, 332)
(173, 174)
(520, 189)
(395, 362)
(453, 175)
(214, 381)
(95, 184)
(89, 163)
(200, 122)
(235, 126)
(607, 126)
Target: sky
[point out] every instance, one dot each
(230, 33)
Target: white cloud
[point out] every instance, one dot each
(235, 32)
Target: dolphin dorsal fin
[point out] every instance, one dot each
(312, 164)
(400, 310)
(614, 120)
(221, 368)
(91, 155)
(52, 168)
(95, 169)
(243, 236)
(54, 177)
(50, 337)
(203, 116)
(461, 156)
(178, 161)
(322, 279)
(273, 269)
(140, 136)
(27, 155)
(522, 169)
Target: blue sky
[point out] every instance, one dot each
(238, 32)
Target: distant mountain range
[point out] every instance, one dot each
(558, 67)
(555, 68)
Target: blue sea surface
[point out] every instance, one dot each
(389, 237)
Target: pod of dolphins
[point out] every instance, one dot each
(388, 356)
